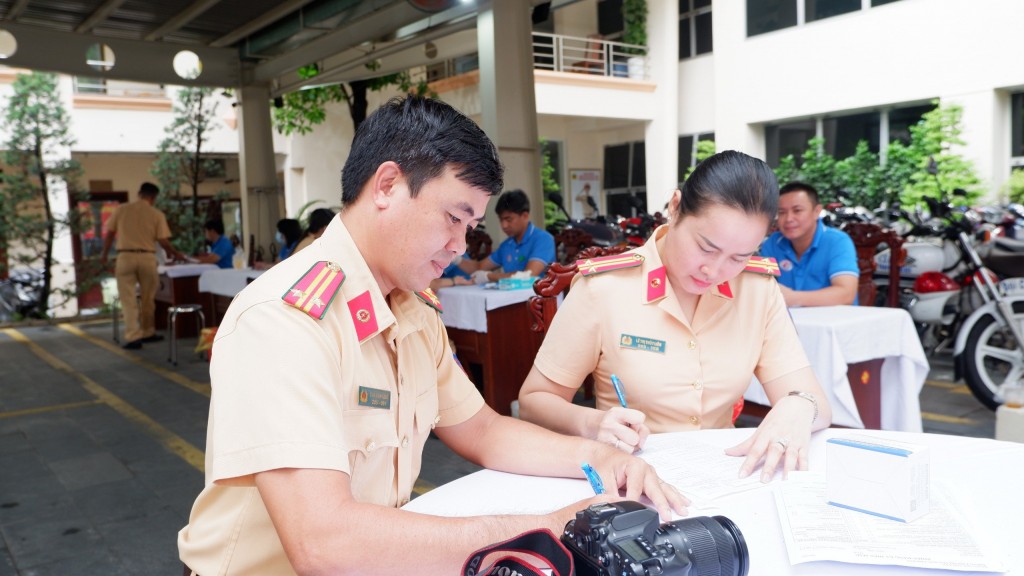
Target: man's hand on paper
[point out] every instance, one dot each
(781, 441)
(622, 428)
(621, 470)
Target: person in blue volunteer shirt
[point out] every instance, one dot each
(818, 262)
(526, 248)
(221, 249)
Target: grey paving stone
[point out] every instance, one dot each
(98, 563)
(147, 545)
(89, 470)
(117, 501)
(60, 536)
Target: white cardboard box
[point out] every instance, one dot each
(1010, 424)
(876, 476)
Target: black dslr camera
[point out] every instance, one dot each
(624, 539)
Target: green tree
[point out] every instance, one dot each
(705, 148)
(935, 138)
(35, 155)
(904, 177)
(183, 163)
(553, 215)
(301, 110)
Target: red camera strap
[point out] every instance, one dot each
(540, 544)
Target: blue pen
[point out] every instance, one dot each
(617, 384)
(595, 479)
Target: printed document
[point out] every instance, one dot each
(945, 538)
(699, 470)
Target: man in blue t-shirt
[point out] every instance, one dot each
(818, 263)
(221, 250)
(526, 248)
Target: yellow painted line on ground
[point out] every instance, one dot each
(947, 419)
(953, 387)
(44, 409)
(422, 487)
(197, 387)
(170, 440)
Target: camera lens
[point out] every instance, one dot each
(718, 546)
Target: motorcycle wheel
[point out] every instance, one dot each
(991, 356)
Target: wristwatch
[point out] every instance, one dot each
(810, 398)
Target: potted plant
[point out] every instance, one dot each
(634, 18)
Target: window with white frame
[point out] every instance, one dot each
(688, 152)
(770, 15)
(842, 132)
(625, 176)
(694, 28)
(1017, 130)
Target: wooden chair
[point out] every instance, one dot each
(867, 237)
(592, 61)
(478, 244)
(556, 281)
(570, 242)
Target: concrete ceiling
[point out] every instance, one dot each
(239, 42)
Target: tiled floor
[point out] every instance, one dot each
(100, 449)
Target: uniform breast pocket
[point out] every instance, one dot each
(426, 411)
(370, 440)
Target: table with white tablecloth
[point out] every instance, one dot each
(986, 472)
(178, 284)
(868, 360)
(491, 328)
(218, 287)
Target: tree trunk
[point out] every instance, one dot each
(42, 305)
(357, 104)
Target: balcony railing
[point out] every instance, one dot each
(589, 56)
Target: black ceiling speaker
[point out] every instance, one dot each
(541, 12)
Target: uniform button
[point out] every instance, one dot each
(436, 420)
(698, 385)
(693, 344)
(370, 445)
(405, 442)
(694, 420)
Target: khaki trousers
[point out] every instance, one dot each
(137, 268)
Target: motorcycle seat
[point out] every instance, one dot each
(1009, 245)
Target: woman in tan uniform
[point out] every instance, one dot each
(684, 322)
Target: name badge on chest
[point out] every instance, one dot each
(641, 343)
(374, 397)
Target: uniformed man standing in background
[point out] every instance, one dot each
(138, 227)
(331, 369)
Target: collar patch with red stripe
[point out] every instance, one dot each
(431, 299)
(763, 265)
(315, 291)
(592, 266)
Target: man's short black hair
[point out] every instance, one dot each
(795, 186)
(148, 189)
(512, 201)
(424, 137)
(215, 224)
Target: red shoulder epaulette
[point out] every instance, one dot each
(592, 266)
(431, 299)
(315, 291)
(763, 265)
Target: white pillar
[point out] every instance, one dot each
(261, 199)
(507, 100)
(661, 140)
(63, 269)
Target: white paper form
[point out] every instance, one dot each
(945, 538)
(697, 469)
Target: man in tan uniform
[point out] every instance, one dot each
(138, 227)
(330, 371)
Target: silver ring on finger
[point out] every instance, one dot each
(784, 442)
(617, 442)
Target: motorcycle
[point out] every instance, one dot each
(603, 233)
(955, 294)
(20, 294)
(637, 229)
